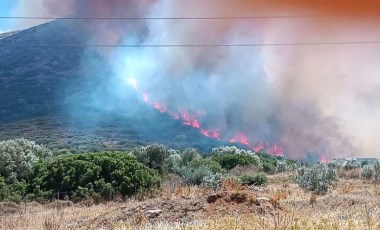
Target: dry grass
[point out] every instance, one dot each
(353, 205)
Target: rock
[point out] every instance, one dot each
(153, 213)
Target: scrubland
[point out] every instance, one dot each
(280, 204)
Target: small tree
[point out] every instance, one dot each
(230, 157)
(153, 156)
(281, 167)
(189, 155)
(376, 168)
(18, 156)
(351, 163)
(367, 172)
(317, 179)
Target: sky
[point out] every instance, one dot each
(6, 9)
(20, 8)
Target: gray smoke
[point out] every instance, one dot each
(313, 99)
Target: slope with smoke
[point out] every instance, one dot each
(316, 99)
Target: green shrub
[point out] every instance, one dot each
(317, 179)
(93, 174)
(351, 163)
(376, 168)
(269, 168)
(212, 165)
(153, 156)
(367, 172)
(229, 161)
(194, 176)
(253, 179)
(189, 155)
(18, 156)
(173, 163)
(281, 167)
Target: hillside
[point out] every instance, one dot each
(46, 95)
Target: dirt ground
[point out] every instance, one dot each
(354, 204)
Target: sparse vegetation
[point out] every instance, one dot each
(228, 175)
(317, 179)
(253, 179)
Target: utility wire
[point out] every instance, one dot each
(197, 45)
(167, 18)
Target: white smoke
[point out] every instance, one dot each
(320, 99)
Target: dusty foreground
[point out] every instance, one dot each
(354, 204)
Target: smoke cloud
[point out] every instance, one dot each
(319, 99)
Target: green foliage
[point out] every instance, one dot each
(281, 167)
(153, 156)
(189, 155)
(367, 172)
(173, 163)
(269, 163)
(14, 192)
(212, 165)
(253, 179)
(230, 157)
(376, 168)
(194, 176)
(351, 163)
(269, 168)
(231, 161)
(318, 178)
(95, 174)
(18, 156)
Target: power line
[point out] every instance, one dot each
(196, 45)
(167, 18)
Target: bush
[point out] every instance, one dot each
(269, 168)
(351, 163)
(376, 168)
(153, 156)
(212, 165)
(194, 176)
(230, 157)
(317, 179)
(93, 175)
(367, 172)
(281, 167)
(231, 161)
(173, 163)
(18, 156)
(253, 179)
(213, 181)
(189, 155)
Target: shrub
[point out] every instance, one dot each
(173, 163)
(213, 181)
(18, 156)
(212, 165)
(194, 176)
(153, 156)
(351, 163)
(93, 175)
(269, 168)
(367, 172)
(281, 167)
(231, 161)
(376, 168)
(189, 155)
(230, 157)
(317, 179)
(253, 179)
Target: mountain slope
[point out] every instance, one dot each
(47, 95)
